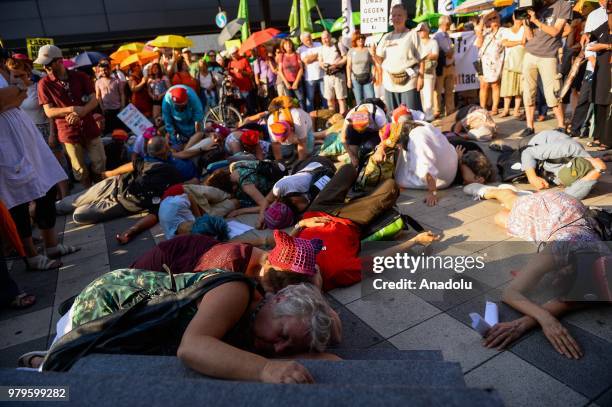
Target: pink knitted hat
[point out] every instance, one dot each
(295, 254)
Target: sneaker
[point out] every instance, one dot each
(527, 132)
(476, 190)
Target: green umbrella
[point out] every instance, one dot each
(326, 23)
(430, 18)
(338, 23)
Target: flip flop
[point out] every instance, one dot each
(26, 359)
(23, 300)
(41, 262)
(61, 250)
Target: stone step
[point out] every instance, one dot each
(370, 372)
(104, 389)
(387, 354)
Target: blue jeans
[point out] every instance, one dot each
(296, 93)
(311, 90)
(362, 92)
(410, 98)
(208, 99)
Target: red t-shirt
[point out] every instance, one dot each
(74, 92)
(242, 78)
(184, 78)
(141, 99)
(290, 64)
(341, 240)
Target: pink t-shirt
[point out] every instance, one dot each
(290, 64)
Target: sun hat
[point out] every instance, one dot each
(295, 254)
(278, 216)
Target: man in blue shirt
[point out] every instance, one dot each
(183, 115)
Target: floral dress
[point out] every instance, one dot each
(556, 218)
(492, 56)
(125, 287)
(247, 174)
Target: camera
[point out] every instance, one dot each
(525, 5)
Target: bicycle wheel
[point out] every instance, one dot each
(224, 115)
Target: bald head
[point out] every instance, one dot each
(157, 147)
(306, 38)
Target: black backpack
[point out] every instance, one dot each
(271, 170)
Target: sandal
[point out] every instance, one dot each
(25, 360)
(504, 114)
(593, 144)
(41, 262)
(61, 250)
(23, 300)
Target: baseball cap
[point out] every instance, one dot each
(185, 50)
(179, 95)
(120, 134)
(249, 137)
(422, 26)
(47, 53)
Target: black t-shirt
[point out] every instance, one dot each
(144, 187)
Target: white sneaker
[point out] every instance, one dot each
(476, 190)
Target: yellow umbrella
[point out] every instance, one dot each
(132, 47)
(119, 56)
(141, 58)
(171, 41)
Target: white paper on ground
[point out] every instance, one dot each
(237, 228)
(491, 318)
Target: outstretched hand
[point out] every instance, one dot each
(503, 334)
(560, 338)
(285, 372)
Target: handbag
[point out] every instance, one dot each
(400, 78)
(478, 62)
(363, 78)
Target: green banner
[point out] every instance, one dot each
(243, 12)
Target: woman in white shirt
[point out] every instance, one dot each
(513, 39)
(429, 52)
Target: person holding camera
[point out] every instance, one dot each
(544, 27)
(332, 60)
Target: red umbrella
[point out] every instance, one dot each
(258, 38)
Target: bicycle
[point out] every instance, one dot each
(225, 114)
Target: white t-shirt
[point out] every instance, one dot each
(428, 152)
(205, 81)
(313, 71)
(299, 182)
(331, 54)
(31, 106)
(380, 118)
(399, 52)
(428, 48)
(302, 124)
(173, 211)
(507, 34)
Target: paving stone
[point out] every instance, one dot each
(387, 352)
(355, 333)
(595, 364)
(501, 259)
(24, 328)
(605, 399)
(76, 234)
(121, 256)
(521, 384)
(9, 356)
(390, 312)
(40, 283)
(457, 342)
(345, 295)
(596, 320)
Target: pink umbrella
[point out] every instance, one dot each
(68, 63)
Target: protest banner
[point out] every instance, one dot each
(373, 16)
(232, 43)
(134, 119)
(34, 44)
(465, 55)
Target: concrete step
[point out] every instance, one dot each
(359, 372)
(387, 354)
(105, 389)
